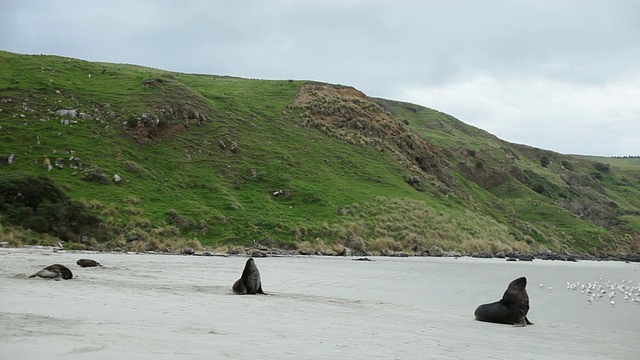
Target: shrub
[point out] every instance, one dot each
(602, 167)
(36, 203)
(178, 220)
(567, 165)
(544, 161)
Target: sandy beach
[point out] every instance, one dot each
(146, 306)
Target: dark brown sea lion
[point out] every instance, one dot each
(362, 259)
(250, 282)
(511, 309)
(88, 263)
(54, 271)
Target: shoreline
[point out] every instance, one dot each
(267, 252)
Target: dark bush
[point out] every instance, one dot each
(178, 220)
(543, 186)
(36, 203)
(544, 161)
(567, 165)
(602, 167)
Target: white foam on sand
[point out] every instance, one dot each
(182, 307)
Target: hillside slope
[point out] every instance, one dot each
(166, 157)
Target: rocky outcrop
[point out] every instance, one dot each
(96, 176)
(348, 114)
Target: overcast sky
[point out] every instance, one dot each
(562, 75)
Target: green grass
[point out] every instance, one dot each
(224, 145)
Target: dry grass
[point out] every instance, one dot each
(167, 231)
(110, 210)
(139, 222)
(384, 245)
(132, 200)
(18, 237)
(394, 225)
(306, 248)
(12, 237)
(91, 204)
(132, 210)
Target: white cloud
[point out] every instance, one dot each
(545, 113)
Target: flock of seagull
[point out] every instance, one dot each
(606, 290)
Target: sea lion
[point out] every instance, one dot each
(362, 259)
(511, 309)
(249, 283)
(54, 271)
(88, 263)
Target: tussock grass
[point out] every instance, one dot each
(12, 237)
(91, 204)
(132, 210)
(17, 237)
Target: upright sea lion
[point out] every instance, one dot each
(88, 263)
(54, 271)
(249, 283)
(511, 309)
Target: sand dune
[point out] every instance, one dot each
(143, 306)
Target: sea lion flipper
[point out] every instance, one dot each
(239, 288)
(527, 321)
(260, 291)
(46, 274)
(522, 322)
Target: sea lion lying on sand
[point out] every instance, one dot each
(54, 271)
(511, 309)
(250, 282)
(87, 263)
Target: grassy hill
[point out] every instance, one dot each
(229, 162)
